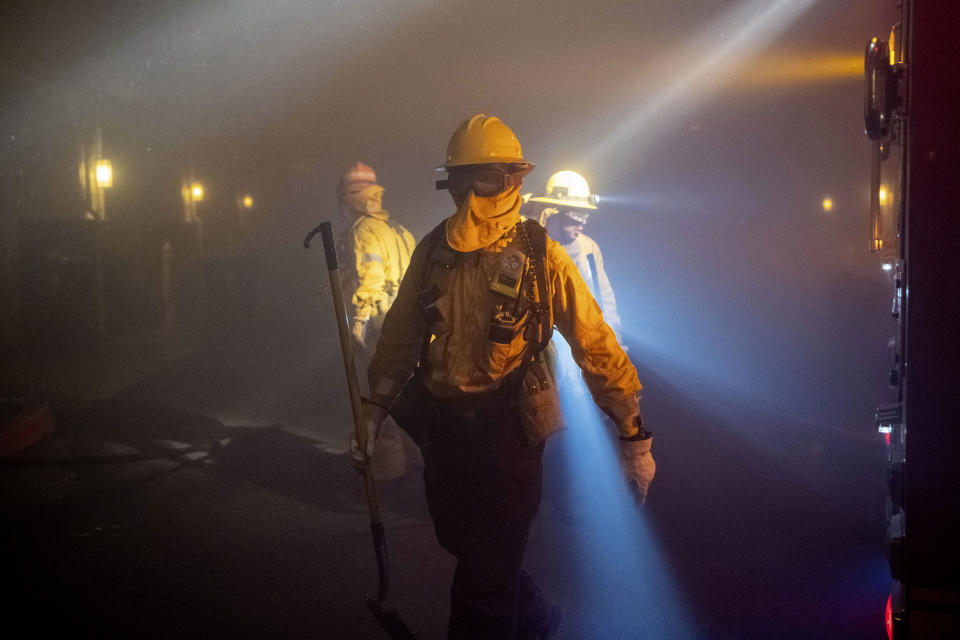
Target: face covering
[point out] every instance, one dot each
(367, 201)
(479, 222)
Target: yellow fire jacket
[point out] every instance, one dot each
(381, 255)
(458, 358)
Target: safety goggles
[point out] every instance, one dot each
(484, 180)
(580, 216)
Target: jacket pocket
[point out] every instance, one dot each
(503, 344)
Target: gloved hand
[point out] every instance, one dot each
(359, 331)
(638, 465)
(371, 418)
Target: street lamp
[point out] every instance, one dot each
(827, 204)
(192, 191)
(102, 180)
(103, 171)
(247, 202)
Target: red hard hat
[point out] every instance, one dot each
(356, 177)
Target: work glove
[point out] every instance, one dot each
(638, 465)
(371, 419)
(359, 331)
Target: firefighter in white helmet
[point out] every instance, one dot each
(463, 337)
(565, 206)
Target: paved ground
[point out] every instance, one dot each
(264, 534)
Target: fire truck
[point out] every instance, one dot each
(912, 117)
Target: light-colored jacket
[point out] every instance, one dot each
(581, 250)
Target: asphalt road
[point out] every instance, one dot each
(263, 533)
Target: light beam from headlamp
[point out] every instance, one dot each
(707, 61)
(623, 581)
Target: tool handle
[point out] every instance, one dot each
(309, 237)
(349, 365)
(329, 246)
(383, 559)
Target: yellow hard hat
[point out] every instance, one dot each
(483, 139)
(568, 189)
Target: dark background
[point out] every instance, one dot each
(711, 130)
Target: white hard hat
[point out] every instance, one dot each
(568, 190)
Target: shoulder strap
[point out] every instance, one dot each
(438, 271)
(535, 237)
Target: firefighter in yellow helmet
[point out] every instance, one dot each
(376, 254)
(464, 339)
(565, 207)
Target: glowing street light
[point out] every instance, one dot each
(827, 204)
(103, 171)
(247, 202)
(192, 192)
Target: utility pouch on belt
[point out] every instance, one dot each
(538, 399)
(539, 402)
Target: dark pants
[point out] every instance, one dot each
(483, 484)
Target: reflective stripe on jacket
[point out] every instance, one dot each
(580, 251)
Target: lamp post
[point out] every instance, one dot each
(103, 170)
(101, 179)
(99, 175)
(96, 176)
(244, 206)
(103, 174)
(192, 192)
(196, 195)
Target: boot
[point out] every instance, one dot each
(539, 617)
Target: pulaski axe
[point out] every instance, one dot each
(389, 620)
